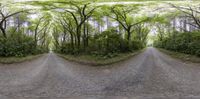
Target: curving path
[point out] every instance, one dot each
(149, 75)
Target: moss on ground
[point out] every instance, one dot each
(97, 60)
(182, 56)
(10, 60)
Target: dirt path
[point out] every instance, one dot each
(149, 75)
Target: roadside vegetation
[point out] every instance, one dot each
(97, 30)
(21, 36)
(94, 60)
(185, 39)
(183, 57)
(11, 60)
(188, 43)
(83, 29)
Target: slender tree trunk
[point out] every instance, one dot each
(75, 43)
(87, 34)
(5, 24)
(18, 23)
(3, 31)
(129, 35)
(64, 36)
(99, 27)
(78, 37)
(35, 38)
(84, 36)
(174, 35)
(185, 25)
(72, 41)
(107, 22)
(43, 42)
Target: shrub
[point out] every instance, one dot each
(106, 44)
(188, 43)
(18, 44)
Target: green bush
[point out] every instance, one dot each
(18, 44)
(188, 43)
(105, 44)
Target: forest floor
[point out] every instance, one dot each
(94, 60)
(148, 75)
(182, 56)
(11, 60)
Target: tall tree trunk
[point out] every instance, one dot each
(18, 23)
(129, 39)
(107, 22)
(87, 34)
(78, 33)
(72, 41)
(44, 40)
(185, 24)
(99, 27)
(174, 33)
(129, 36)
(3, 31)
(64, 36)
(84, 36)
(35, 38)
(5, 24)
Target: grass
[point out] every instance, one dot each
(97, 60)
(182, 56)
(10, 60)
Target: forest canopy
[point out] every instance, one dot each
(100, 27)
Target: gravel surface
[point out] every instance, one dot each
(149, 75)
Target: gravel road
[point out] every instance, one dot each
(149, 75)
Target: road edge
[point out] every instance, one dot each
(101, 63)
(12, 60)
(181, 56)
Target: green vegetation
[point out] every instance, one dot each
(188, 43)
(10, 60)
(19, 45)
(181, 39)
(97, 29)
(80, 29)
(19, 36)
(94, 60)
(182, 56)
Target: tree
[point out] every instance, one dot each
(142, 32)
(68, 27)
(123, 16)
(40, 27)
(189, 12)
(5, 14)
(80, 13)
(55, 35)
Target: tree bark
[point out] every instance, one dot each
(3, 31)
(84, 36)
(87, 34)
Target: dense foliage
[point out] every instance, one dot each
(188, 43)
(21, 36)
(105, 43)
(77, 27)
(18, 44)
(180, 36)
(81, 29)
